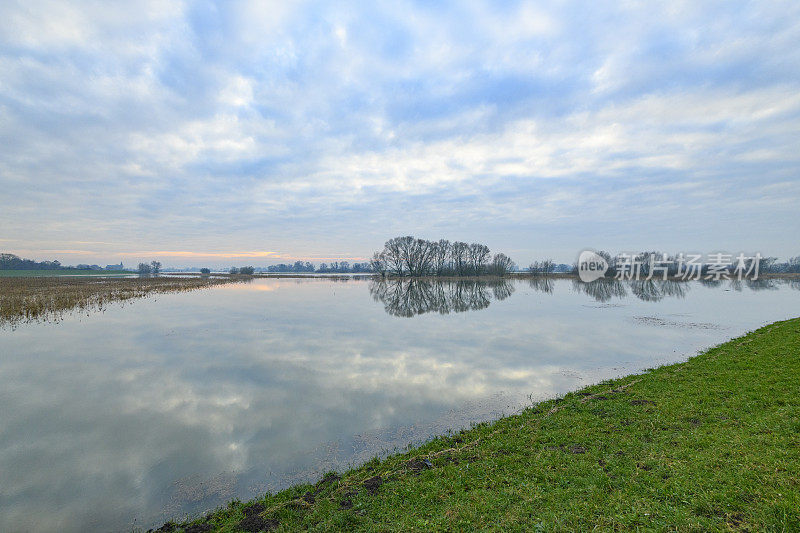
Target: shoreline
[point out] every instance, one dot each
(39, 297)
(711, 443)
(340, 276)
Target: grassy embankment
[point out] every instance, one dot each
(709, 444)
(48, 297)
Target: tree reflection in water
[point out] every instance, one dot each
(603, 290)
(414, 296)
(541, 284)
(408, 297)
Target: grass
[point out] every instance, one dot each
(24, 299)
(712, 444)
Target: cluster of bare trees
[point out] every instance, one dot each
(408, 256)
(344, 267)
(153, 268)
(548, 266)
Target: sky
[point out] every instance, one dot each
(238, 132)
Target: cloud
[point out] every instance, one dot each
(324, 131)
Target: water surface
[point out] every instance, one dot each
(174, 405)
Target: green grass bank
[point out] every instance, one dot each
(712, 444)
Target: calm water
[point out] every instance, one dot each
(172, 406)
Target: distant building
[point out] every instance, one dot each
(115, 267)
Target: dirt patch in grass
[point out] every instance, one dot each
(642, 402)
(418, 465)
(255, 523)
(373, 484)
(198, 528)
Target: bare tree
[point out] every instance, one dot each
(610, 261)
(407, 255)
(460, 255)
(501, 265)
(441, 255)
(155, 267)
(478, 257)
(542, 267)
(393, 252)
(420, 257)
(378, 263)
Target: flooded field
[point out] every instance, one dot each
(48, 298)
(172, 405)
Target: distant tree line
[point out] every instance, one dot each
(324, 268)
(772, 266)
(548, 266)
(342, 267)
(659, 263)
(297, 267)
(671, 265)
(409, 256)
(14, 262)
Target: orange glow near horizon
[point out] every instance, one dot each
(235, 255)
(181, 254)
(49, 254)
(230, 255)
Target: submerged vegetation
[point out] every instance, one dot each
(25, 299)
(711, 444)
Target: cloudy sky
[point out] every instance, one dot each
(259, 132)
